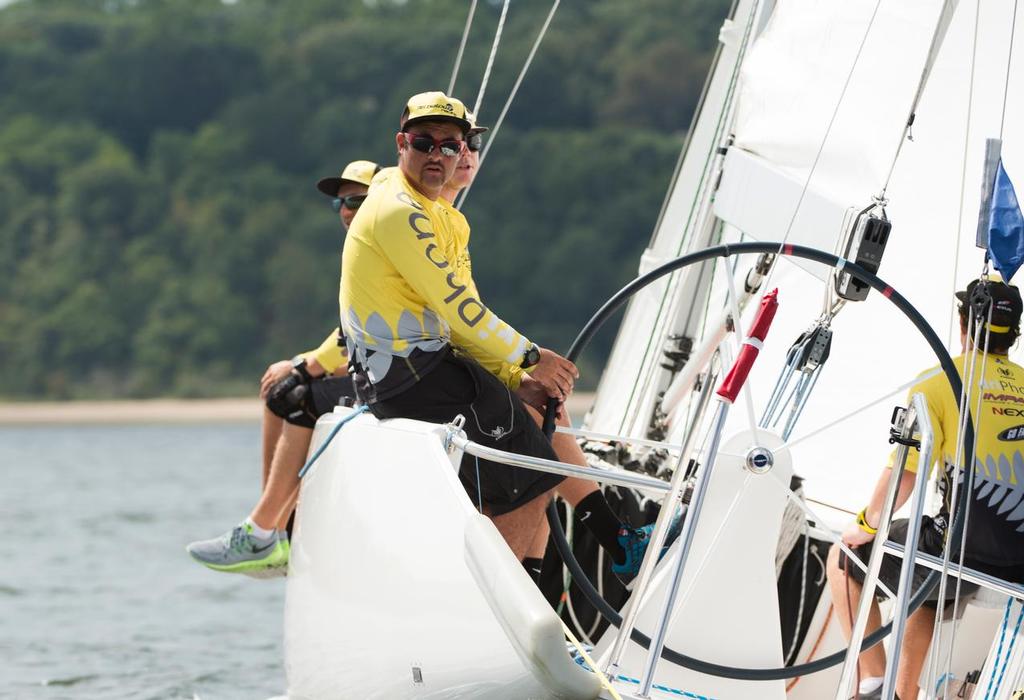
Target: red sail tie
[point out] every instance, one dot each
(733, 381)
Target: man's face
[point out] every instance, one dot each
(349, 189)
(428, 171)
(465, 171)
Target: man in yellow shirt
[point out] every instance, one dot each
(995, 526)
(297, 392)
(423, 345)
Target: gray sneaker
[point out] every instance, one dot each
(277, 571)
(241, 551)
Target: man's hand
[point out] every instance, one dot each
(555, 373)
(854, 535)
(534, 394)
(275, 373)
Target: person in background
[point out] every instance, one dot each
(296, 393)
(994, 539)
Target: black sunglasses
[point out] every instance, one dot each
(351, 202)
(475, 142)
(426, 144)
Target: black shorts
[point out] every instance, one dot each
(931, 542)
(324, 394)
(495, 417)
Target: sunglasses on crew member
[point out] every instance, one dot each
(351, 202)
(426, 144)
(474, 142)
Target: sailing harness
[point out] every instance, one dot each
(859, 274)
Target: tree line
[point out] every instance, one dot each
(160, 233)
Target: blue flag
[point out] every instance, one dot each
(1005, 227)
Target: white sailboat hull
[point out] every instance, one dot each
(399, 588)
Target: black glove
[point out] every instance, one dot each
(289, 395)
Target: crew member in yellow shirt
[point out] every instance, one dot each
(995, 525)
(423, 344)
(296, 393)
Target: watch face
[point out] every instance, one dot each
(531, 357)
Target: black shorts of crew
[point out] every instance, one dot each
(931, 542)
(495, 417)
(301, 404)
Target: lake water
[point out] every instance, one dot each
(98, 598)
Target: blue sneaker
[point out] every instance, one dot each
(634, 543)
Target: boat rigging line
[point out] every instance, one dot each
(959, 232)
(1009, 59)
(490, 58)
(697, 214)
(824, 140)
(807, 253)
(462, 47)
(945, 17)
(511, 96)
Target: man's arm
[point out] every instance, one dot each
(855, 533)
(329, 358)
(407, 238)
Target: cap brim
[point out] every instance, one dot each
(479, 130)
(461, 123)
(329, 186)
(961, 296)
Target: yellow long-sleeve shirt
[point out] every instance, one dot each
(330, 355)
(407, 292)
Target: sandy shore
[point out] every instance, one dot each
(164, 411)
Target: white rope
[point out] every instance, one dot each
(511, 96)
(462, 48)
(963, 172)
(490, 59)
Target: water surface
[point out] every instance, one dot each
(98, 598)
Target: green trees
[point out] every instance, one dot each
(159, 229)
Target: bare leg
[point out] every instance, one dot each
(872, 661)
(540, 539)
(271, 428)
(520, 527)
(282, 486)
(916, 640)
(572, 490)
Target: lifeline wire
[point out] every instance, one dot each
(462, 48)
(490, 59)
(511, 96)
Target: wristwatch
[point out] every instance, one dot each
(531, 357)
(299, 365)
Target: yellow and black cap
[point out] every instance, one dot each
(360, 172)
(435, 106)
(1006, 302)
